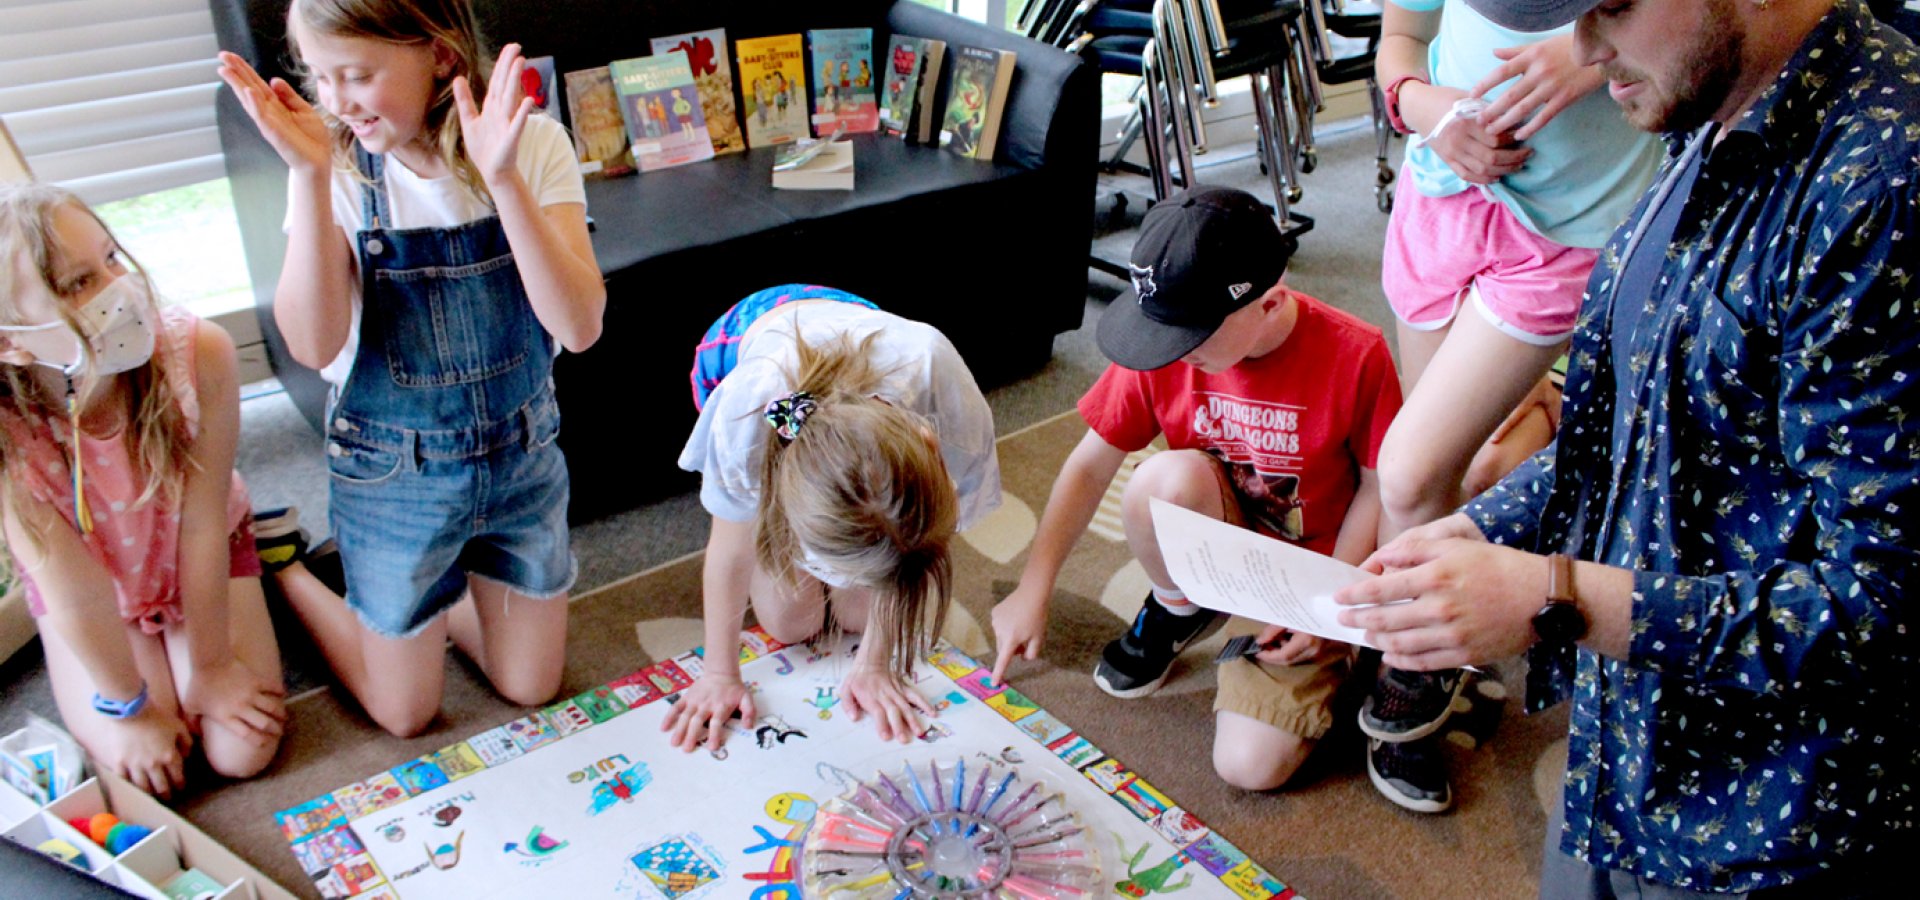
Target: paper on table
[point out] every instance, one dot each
(1234, 570)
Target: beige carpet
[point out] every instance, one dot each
(1330, 836)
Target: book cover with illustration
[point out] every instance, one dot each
(707, 53)
(662, 108)
(906, 58)
(773, 89)
(843, 80)
(976, 94)
(599, 131)
(926, 112)
(539, 82)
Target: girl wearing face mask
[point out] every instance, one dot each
(128, 524)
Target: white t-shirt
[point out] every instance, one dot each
(546, 161)
(926, 375)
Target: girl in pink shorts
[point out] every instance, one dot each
(1488, 252)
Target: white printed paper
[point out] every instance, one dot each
(1231, 569)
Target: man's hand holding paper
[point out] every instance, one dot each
(1234, 570)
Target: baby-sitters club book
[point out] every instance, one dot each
(773, 89)
(712, 73)
(843, 90)
(662, 108)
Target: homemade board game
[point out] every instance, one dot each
(586, 799)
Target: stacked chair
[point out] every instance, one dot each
(1182, 49)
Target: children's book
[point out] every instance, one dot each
(826, 165)
(925, 112)
(976, 95)
(599, 131)
(707, 53)
(662, 108)
(540, 83)
(906, 58)
(773, 89)
(843, 91)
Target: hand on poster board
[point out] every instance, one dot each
(702, 713)
(874, 689)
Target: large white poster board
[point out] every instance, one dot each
(586, 799)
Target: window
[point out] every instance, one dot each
(111, 98)
(114, 100)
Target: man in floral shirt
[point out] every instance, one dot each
(1735, 473)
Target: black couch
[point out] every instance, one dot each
(992, 254)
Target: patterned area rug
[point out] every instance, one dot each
(1328, 836)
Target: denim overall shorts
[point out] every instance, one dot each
(441, 442)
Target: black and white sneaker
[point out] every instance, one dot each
(1406, 706)
(1137, 663)
(1412, 774)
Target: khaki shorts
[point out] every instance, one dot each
(1296, 699)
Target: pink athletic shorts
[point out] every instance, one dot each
(1442, 250)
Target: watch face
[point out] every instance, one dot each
(1559, 623)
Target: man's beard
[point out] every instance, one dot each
(1700, 88)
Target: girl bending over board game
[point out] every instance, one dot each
(840, 449)
(437, 252)
(117, 431)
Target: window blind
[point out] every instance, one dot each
(111, 98)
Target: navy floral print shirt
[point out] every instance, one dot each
(1746, 450)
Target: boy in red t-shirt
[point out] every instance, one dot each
(1273, 405)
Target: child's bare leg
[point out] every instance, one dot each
(1252, 755)
(73, 691)
(229, 753)
(1417, 348)
(1478, 376)
(397, 680)
(791, 617)
(1189, 479)
(519, 642)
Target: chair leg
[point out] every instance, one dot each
(1169, 42)
(1382, 137)
(1274, 150)
(1130, 132)
(1284, 119)
(1154, 125)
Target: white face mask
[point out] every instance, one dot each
(118, 323)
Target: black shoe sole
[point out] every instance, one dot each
(1415, 804)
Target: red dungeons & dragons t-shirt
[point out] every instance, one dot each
(1294, 427)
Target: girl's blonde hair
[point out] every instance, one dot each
(161, 444)
(446, 23)
(862, 485)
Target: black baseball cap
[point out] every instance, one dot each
(1201, 256)
(1532, 16)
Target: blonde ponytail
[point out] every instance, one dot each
(862, 486)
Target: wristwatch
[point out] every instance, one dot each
(1392, 94)
(1560, 620)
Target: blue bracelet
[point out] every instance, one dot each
(117, 709)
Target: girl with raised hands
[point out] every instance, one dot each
(437, 260)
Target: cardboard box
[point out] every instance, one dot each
(175, 845)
